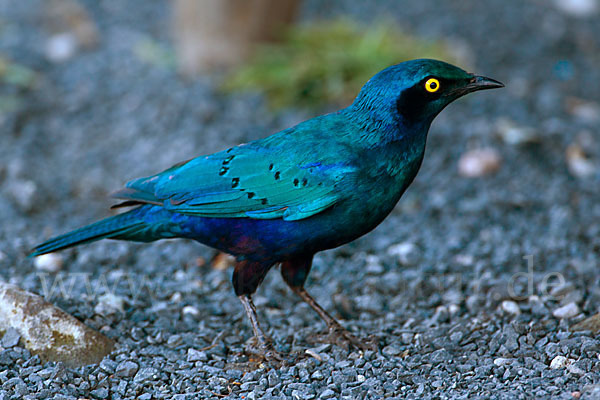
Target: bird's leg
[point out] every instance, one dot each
(337, 332)
(247, 275)
(294, 273)
(264, 342)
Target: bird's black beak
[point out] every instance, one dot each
(482, 83)
(477, 83)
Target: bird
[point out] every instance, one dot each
(281, 199)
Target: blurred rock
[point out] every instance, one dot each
(584, 110)
(577, 8)
(222, 261)
(109, 303)
(217, 33)
(23, 194)
(479, 162)
(61, 47)
(589, 324)
(191, 310)
(48, 331)
(51, 262)
(514, 134)
(578, 162)
(407, 253)
(465, 260)
(71, 29)
(374, 266)
(510, 307)
(567, 311)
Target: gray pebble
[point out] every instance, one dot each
(100, 393)
(11, 338)
(195, 355)
(327, 394)
(145, 375)
(108, 365)
(126, 369)
(317, 375)
(392, 350)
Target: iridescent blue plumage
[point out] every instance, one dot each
(281, 199)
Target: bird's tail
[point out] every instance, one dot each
(127, 226)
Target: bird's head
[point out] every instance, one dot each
(412, 93)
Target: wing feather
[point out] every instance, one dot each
(243, 182)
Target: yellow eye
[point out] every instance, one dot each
(432, 85)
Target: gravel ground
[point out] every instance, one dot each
(471, 287)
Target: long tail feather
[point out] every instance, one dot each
(119, 226)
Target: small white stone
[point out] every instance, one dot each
(191, 310)
(453, 309)
(406, 252)
(314, 354)
(578, 8)
(374, 266)
(511, 307)
(567, 311)
(180, 275)
(176, 297)
(559, 362)
(586, 111)
(579, 163)
(360, 378)
(514, 134)
(479, 162)
(51, 262)
(501, 361)
(61, 47)
(109, 304)
(465, 260)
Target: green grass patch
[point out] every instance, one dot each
(327, 62)
(15, 74)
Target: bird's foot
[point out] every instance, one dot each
(264, 351)
(340, 336)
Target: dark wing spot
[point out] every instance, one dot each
(228, 160)
(250, 195)
(263, 201)
(277, 174)
(235, 182)
(296, 181)
(304, 182)
(229, 150)
(270, 166)
(223, 171)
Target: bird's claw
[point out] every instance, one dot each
(340, 336)
(264, 351)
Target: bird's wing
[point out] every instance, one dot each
(243, 182)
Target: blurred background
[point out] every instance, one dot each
(95, 93)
